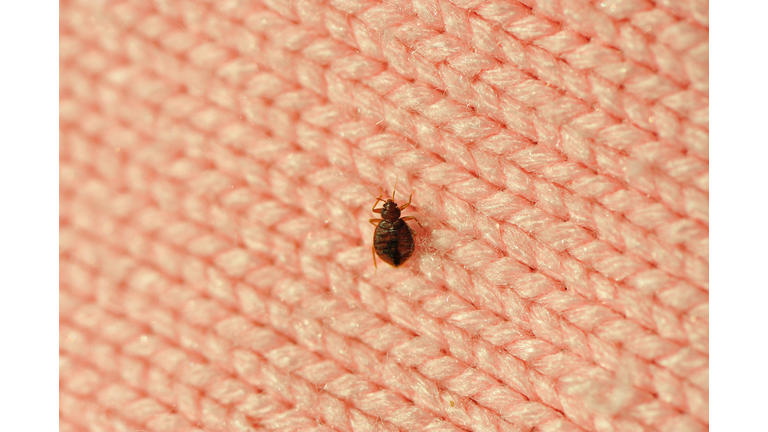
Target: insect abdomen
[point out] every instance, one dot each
(393, 242)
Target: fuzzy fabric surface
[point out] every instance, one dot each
(220, 160)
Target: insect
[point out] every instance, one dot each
(393, 238)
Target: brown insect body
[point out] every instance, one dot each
(393, 238)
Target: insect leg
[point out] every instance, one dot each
(381, 194)
(374, 209)
(411, 218)
(374, 222)
(408, 203)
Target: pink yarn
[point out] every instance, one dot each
(216, 162)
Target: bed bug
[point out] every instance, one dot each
(392, 238)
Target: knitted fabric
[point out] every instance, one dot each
(215, 251)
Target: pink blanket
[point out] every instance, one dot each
(218, 160)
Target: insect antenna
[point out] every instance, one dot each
(394, 189)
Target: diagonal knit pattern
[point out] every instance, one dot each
(217, 159)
